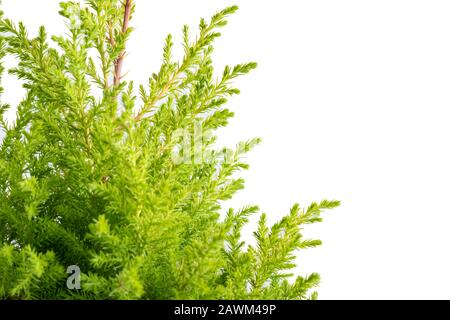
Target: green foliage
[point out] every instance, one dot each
(89, 179)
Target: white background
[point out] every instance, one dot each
(352, 100)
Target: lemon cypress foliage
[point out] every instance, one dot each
(88, 176)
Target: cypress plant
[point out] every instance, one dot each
(116, 184)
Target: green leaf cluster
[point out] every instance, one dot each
(87, 176)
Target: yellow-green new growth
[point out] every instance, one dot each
(90, 181)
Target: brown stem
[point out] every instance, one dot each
(119, 62)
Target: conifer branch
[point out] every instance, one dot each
(77, 189)
(118, 64)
